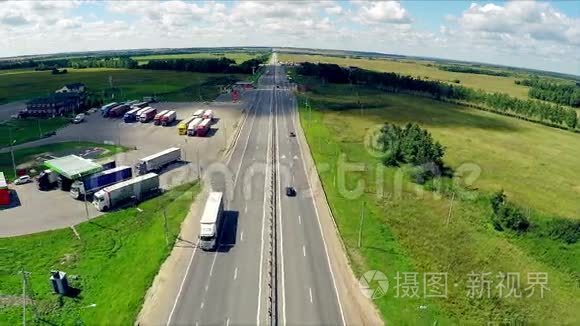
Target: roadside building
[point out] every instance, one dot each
(72, 88)
(71, 168)
(4, 191)
(54, 105)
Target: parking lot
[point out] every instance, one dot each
(41, 211)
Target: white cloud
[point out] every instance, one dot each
(382, 12)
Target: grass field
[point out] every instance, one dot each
(412, 230)
(129, 83)
(420, 69)
(26, 154)
(239, 57)
(23, 130)
(112, 264)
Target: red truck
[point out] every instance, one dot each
(158, 117)
(148, 115)
(168, 118)
(202, 128)
(119, 111)
(4, 191)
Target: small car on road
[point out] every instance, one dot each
(290, 191)
(79, 118)
(22, 180)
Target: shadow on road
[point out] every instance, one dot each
(229, 231)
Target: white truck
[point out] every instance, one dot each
(157, 161)
(198, 113)
(192, 126)
(211, 221)
(136, 189)
(208, 114)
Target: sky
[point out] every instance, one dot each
(531, 34)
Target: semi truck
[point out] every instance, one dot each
(157, 119)
(192, 127)
(182, 127)
(118, 111)
(47, 180)
(105, 108)
(136, 189)
(202, 128)
(211, 220)
(131, 115)
(131, 103)
(168, 118)
(86, 187)
(198, 113)
(108, 164)
(157, 161)
(4, 191)
(147, 115)
(140, 105)
(207, 114)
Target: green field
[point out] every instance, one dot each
(24, 130)
(420, 69)
(412, 230)
(58, 149)
(112, 264)
(127, 83)
(238, 57)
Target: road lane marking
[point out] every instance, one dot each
(320, 229)
(310, 292)
(299, 220)
(182, 284)
(246, 208)
(304, 251)
(236, 274)
(202, 304)
(242, 236)
(228, 322)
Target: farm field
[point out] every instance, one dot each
(496, 84)
(112, 264)
(239, 57)
(58, 149)
(413, 231)
(127, 83)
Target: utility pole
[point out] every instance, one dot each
(12, 150)
(362, 216)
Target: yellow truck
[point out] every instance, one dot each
(182, 127)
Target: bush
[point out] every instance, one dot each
(506, 215)
(565, 230)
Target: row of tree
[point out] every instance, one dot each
(209, 65)
(392, 82)
(108, 62)
(565, 94)
(473, 70)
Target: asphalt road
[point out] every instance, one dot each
(229, 286)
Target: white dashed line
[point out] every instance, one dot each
(310, 292)
(299, 219)
(236, 273)
(242, 236)
(202, 304)
(304, 251)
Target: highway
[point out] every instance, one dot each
(229, 286)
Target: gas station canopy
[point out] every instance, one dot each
(72, 166)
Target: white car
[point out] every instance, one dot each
(79, 118)
(22, 180)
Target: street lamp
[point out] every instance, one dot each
(12, 154)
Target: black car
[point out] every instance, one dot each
(290, 191)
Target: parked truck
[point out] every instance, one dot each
(118, 111)
(182, 127)
(108, 164)
(207, 114)
(198, 113)
(105, 108)
(131, 115)
(86, 187)
(47, 180)
(211, 221)
(168, 118)
(192, 127)
(202, 128)
(158, 116)
(147, 115)
(136, 189)
(140, 105)
(157, 161)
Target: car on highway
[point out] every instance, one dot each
(290, 191)
(22, 180)
(79, 118)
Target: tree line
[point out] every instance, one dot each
(552, 92)
(472, 70)
(501, 103)
(207, 65)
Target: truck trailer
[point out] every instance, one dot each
(131, 115)
(207, 114)
(191, 128)
(198, 113)
(105, 108)
(157, 119)
(202, 129)
(168, 118)
(147, 115)
(137, 189)
(118, 111)
(4, 191)
(47, 180)
(182, 127)
(87, 186)
(140, 105)
(157, 161)
(211, 220)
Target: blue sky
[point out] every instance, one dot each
(541, 35)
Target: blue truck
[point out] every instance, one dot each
(90, 184)
(106, 108)
(134, 114)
